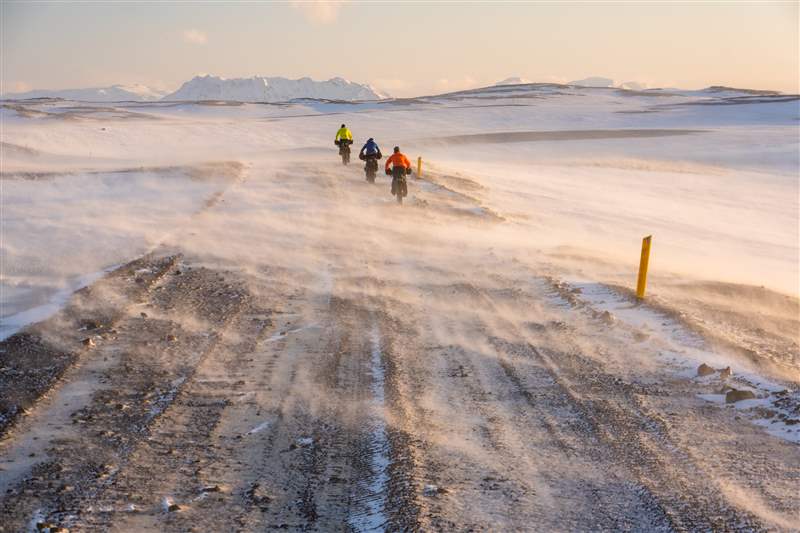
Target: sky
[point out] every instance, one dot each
(405, 49)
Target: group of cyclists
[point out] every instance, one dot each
(397, 165)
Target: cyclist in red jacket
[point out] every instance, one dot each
(400, 167)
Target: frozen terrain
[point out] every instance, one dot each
(259, 338)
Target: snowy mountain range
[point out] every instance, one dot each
(266, 89)
(255, 89)
(272, 89)
(597, 81)
(593, 81)
(115, 93)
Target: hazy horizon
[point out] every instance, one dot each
(385, 93)
(402, 49)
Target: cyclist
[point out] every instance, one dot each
(400, 167)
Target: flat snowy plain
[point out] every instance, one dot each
(289, 348)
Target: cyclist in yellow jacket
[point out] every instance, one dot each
(343, 134)
(343, 140)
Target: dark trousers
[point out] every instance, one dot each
(399, 180)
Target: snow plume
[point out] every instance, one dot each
(622, 191)
(319, 11)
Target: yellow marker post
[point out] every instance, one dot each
(419, 167)
(643, 263)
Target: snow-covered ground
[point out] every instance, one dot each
(574, 172)
(474, 357)
(714, 177)
(579, 175)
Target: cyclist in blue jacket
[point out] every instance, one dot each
(370, 153)
(370, 149)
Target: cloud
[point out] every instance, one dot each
(319, 11)
(194, 36)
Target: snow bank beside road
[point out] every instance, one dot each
(58, 229)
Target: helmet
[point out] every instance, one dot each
(370, 139)
(344, 126)
(396, 149)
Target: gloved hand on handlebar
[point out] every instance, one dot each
(408, 171)
(388, 172)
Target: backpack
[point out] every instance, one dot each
(372, 148)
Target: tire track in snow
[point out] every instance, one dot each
(370, 495)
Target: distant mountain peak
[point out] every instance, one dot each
(272, 89)
(514, 80)
(633, 86)
(115, 93)
(593, 81)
